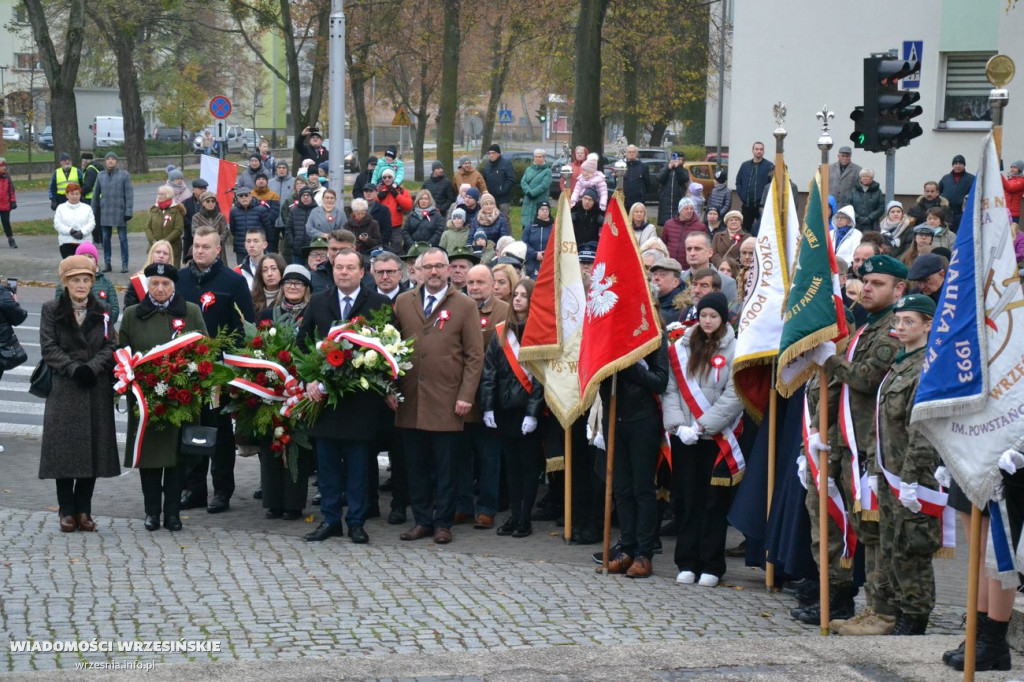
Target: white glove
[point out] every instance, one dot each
(943, 477)
(1010, 461)
(529, 425)
(687, 434)
(814, 445)
(599, 442)
(489, 420)
(801, 470)
(873, 484)
(590, 434)
(819, 354)
(833, 489)
(908, 496)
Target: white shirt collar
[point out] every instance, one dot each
(341, 298)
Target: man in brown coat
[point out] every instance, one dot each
(439, 391)
(465, 174)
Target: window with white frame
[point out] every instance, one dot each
(965, 91)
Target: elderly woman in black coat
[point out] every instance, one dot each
(77, 340)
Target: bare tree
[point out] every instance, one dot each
(451, 51)
(586, 123)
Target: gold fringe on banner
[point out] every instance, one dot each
(555, 464)
(868, 514)
(945, 553)
(845, 562)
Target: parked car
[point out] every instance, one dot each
(350, 154)
(250, 141)
(45, 140)
(704, 173)
(107, 131)
(171, 134)
(12, 129)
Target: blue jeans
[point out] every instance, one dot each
(343, 466)
(482, 447)
(430, 457)
(122, 237)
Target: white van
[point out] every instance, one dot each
(107, 131)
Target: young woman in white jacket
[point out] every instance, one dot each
(702, 412)
(73, 221)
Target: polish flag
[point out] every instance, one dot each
(222, 176)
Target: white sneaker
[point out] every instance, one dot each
(686, 577)
(708, 580)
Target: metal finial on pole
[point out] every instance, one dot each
(825, 139)
(779, 112)
(999, 71)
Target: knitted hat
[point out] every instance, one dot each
(88, 249)
(732, 214)
(591, 163)
(494, 148)
(479, 234)
(516, 250)
(1019, 165)
(436, 165)
(175, 174)
(959, 158)
(387, 172)
(391, 151)
(371, 160)
(161, 270)
(464, 160)
(76, 265)
(297, 272)
(889, 206)
(473, 192)
(592, 193)
(685, 201)
(458, 213)
(717, 301)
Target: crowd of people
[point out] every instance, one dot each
(471, 436)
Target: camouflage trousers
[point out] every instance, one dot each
(908, 544)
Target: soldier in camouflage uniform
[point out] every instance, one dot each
(909, 537)
(884, 281)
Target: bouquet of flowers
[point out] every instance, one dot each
(359, 355)
(675, 330)
(264, 390)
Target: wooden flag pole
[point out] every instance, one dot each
(568, 484)
(610, 450)
(973, 574)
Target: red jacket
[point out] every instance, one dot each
(1014, 188)
(7, 196)
(398, 201)
(674, 235)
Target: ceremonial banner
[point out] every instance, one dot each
(970, 402)
(760, 325)
(621, 324)
(814, 318)
(550, 348)
(222, 176)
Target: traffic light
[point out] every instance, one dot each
(542, 113)
(884, 122)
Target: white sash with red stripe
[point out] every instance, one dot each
(511, 350)
(863, 498)
(933, 502)
(728, 447)
(836, 506)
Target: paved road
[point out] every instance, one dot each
(35, 205)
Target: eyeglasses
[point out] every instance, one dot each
(436, 266)
(294, 283)
(209, 201)
(389, 273)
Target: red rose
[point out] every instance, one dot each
(286, 439)
(277, 447)
(261, 379)
(202, 349)
(348, 354)
(284, 356)
(336, 358)
(292, 370)
(151, 380)
(265, 324)
(184, 397)
(257, 342)
(205, 368)
(160, 409)
(252, 403)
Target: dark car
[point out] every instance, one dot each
(167, 134)
(46, 138)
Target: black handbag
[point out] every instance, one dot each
(199, 441)
(41, 381)
(12, 354)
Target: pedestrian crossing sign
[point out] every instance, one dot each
(401, 117)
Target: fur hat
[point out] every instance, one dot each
(590, 164)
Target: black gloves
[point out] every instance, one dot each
(53, 204)
(77, 234)
(127, 219)
(84, 377)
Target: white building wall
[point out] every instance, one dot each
(808, 54)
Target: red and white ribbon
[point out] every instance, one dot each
(342, 331)
(291, 392)
(124, 370)
(863, 498)
(836, 506)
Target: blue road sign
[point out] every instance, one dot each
(220, 106)
(505, 116)
(912, 52)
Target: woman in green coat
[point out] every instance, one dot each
(152, 322)
(536, 184)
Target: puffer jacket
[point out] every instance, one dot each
(869, 205)
(536, 184)
(367, 226)
(494, 230)
(725, 404)
(674, 235)
(638, 388)
(595, 182)
(536, 238)
(587, 224)
(500, 389)
(243, 219)
(295, 215)
(397, 200)
(423, 225)
(720, 199)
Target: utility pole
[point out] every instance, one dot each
(336, 119)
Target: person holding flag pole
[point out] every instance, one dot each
(967, 401)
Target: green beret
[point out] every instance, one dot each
(883, 265)
(416, 250)
(918, 303)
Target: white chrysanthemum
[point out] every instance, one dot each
(258, 354)
(160, 388)
(357, 360)
(278, 432)
(370, 358)
(273, 331)
(364, 383)
(270, 375)
(192, 368)
(391, 348)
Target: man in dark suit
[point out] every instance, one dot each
(345, 431)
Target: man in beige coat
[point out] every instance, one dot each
(439, 391)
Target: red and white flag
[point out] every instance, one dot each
(222, 176)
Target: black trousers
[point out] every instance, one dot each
(5, 218)
(74, 495)
(161, 489)
(280, 491)
(67, 250)
(524, 463)
(636, 458)
(751, 214)
(221, 466)
(430, 456)
(700, 508)
(587, 504)
(390, 441)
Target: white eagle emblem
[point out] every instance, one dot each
(601, 299)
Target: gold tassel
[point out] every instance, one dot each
(662, 495)
(738, 477)
(846, 562)
(945, 553)
(555, 464)
(869, 515)
(721, 481)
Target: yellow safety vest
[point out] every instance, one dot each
(88, 197)
(62, 184)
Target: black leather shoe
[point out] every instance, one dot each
(219, 505)
(291, 514)
(358, 535)
(507, 528)
(523, 529)
(396, 517)
(172, 523)
(152, 522)
(107, 268)
(273, 514)
(190, 501)
(323, 531)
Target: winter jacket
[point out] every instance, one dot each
(117, 197)
(644, 232)
(667, 307)
(675, 184)
(1013, 186)
(283, 187)
(722, 245)
(1018, 248)
(221, 295)
(423, 225)
(841, 182)
(217, 221)
(717, 387)
(500, 389)
(869, 205)
(167, 224)
(452, 238)
(397, 200)
(674, 235)
(321, 223)
(720, 199)
(635, 182)
(536, 238)
(104, 292)
(442, 190)
(919, 211)
(494, 230)
(638, 388)
(536, 184)
(398, 166)
(473, 178)
(270, 199)
(367, 226)
(751, 180)
(845, 247)
(595, 182)
(242, 219)
(382, 214)
(69, 217)
(306, 151)
(899, 236)
(587, 224)
(8, 197)
(362, 180)
(500, 178)
(955, 189)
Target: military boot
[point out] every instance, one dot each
(993, 652)
(870, 624)
(909, 625)
(840, 605)
(948, 656)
